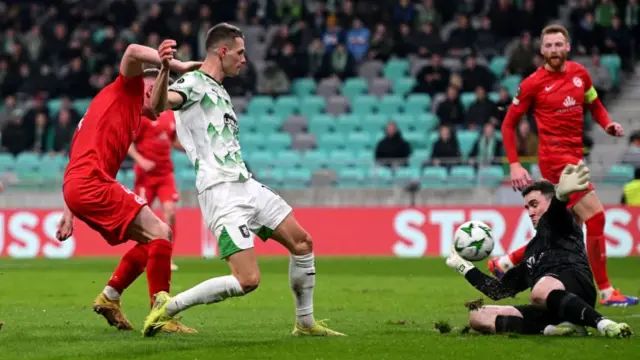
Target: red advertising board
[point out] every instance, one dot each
(401, 232)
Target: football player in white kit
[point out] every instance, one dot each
(233, 204)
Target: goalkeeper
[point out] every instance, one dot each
(555, 267)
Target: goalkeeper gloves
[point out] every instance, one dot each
(573, 178)
(457, 263)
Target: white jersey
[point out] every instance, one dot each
(207, 128)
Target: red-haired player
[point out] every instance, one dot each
(92, 194)
(557, 93)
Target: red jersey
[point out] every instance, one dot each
(557, 100)
(104, 134)
(154, 142)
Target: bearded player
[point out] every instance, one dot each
(233, 204)
(92, 194)
(153, 170)
(557, 93)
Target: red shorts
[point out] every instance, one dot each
(107, 206)
(163, 187)
(551, 171)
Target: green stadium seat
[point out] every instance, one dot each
(405, 122)
(364, 157)
(249, 123)
(620, 174)
(432, 137)
(381, 176)
(28, 159)
(419, 157)
(613, 64)
(467, 98)
(467, 140)
(462, 176)
(497, 66)
(279, 141)
(186, 179)
(403, 175)
(274, 177)
(304, 87)
(331, 141)
(320, 124)
(396, 68)
(418, 140)
(403, 86)
(354, 87)
(494, 96)
(351, 177)
(7, 162)
(374, 124)
(417, 104)
(426, 122)
(252, 141)
(312, 105)
(434, 177)
(511, 83)
(390, 105)
(285, 106)
(347, 123)
(315, 158)
(54, 105)
(288, 158)
(364, 105)
(298, 178)
(360, 140)
(341, 158)
(260, 105)
(491, 176)
(261, 159)
(81, 105)
(268, 124)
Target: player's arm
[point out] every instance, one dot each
(574, 178)
(177, 145)
(163, 99)
(142, 161)
(520, 105)
(137, 55)
(596, 107)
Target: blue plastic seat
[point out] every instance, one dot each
(434, 177)
(312, 105)
(81, 105)
(314, 159)
(347, 123)
(462, 176)
(269, 124)
(285, 106)
(390, 105)
(426, 122)
(354, 87)
(497, 65)
(351, 177)
(180, 160)
(381, 176)
(364, 105)
(396, 68)
(288, 158)
(320, 124)
(332, 141)
(7, 162)
(404, 175)
(374, 124)
(260, 105)
(360, 140)
(304, 86)
(341, 158)
(279, 141)
(491, 176)
(403, 86)
(417, 104)
(467, 98)
(298, 178)
(467, 140)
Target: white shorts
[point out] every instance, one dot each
(232, 210)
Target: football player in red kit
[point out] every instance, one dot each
(557, 93)
(92, 194)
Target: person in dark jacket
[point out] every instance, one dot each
(393, 149)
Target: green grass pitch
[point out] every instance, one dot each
(388, 308)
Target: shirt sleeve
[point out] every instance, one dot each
(590, 93)
(188, 86)
(524, 96)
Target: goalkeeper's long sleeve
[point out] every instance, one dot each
(513, 282)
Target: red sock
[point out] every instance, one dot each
(517, 256)
(130, 267)
(597, 250)
(159, 266)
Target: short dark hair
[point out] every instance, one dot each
(555, 29)
(545, 187)
(153, 73)
(222, 32)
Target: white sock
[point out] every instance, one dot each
(505, 263)
(302, 278)
(602, 324)
(111, 293)
(207, 292)
(606, 293)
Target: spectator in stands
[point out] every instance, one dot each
(482, 111)
(450, 111)
(315, 57)
(486, 43)
(461, 39)
(66, 104)
(578, 12)
(427, 41)
(404, 12)
(531, 20)
(332, 36)
(39, 143)
(487, 148)
(589, 35)
(433, 78)
(470, 7)
(632, 19)
(632, 155)
(446, 151)
(526, 140)
(14, 136)
(521, 58)
(61, 134)
(427, 14)
(75, 80)
(393, 150)
(601, 77)
(294, 65)
(28, 122)
(274, 81)
(618, 41)
(339, 63)
(346, 15)
(381, 44)
(300, 34)
(317, 20)
(403, 44)
(605, 11)
(475, 75)
(274, 49)
(10, 106)
(358, 40)
(502, 19)
(291, 10)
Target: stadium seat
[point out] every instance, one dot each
(364, 105)
(312, 105)
(467, 140)
(315, 158)
(347, 123)
(304, 87)
(7, 162)
(278, 141)
(403, 86)
(426, 122)
(390, 105)
(620, 174)
(285, 106)
(396, 68)
(417, 104)
(360, 140)
(434, 177)
(81, 105)
(494, 96)
(274, 177)
(186, 179)
(374, 124)
(497, 66)
(405, 122)
(54, 105)
(404, 175)
(462, 176)
(180, 160)
(269, 124)
(613, 64)
(351, 177)
(418, 140)
(298, 178)
(252, 141)
(332, 141)
(491, 176)
(511, 83)
(26, 160)
(341, 158)
(249, 123)
(354, 87)
(320, 124)
(419, 157)
(261, 159)
(381, 176)
(287, 159)
(260, 105)
(467, 98)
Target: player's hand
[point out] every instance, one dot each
(573, 178)
(520, 177)
(146, 165)
(456, 262)
(65, 228)
(166, 51)
(187, 66)
(615, 129)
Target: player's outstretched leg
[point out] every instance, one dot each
(148, 229)
(302, 276)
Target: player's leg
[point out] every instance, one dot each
(500, 319)
(168, 195)
(550, 293)
(589, 209)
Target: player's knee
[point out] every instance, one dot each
(303, 244)
(162, 231)
(250, 281)
(538, 297)
(482, 321)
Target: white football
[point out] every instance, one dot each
(473, 240)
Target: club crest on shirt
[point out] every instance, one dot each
(577, 81)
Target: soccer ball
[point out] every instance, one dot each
(473, 240)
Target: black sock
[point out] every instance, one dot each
(509, 324)
(569, 307)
